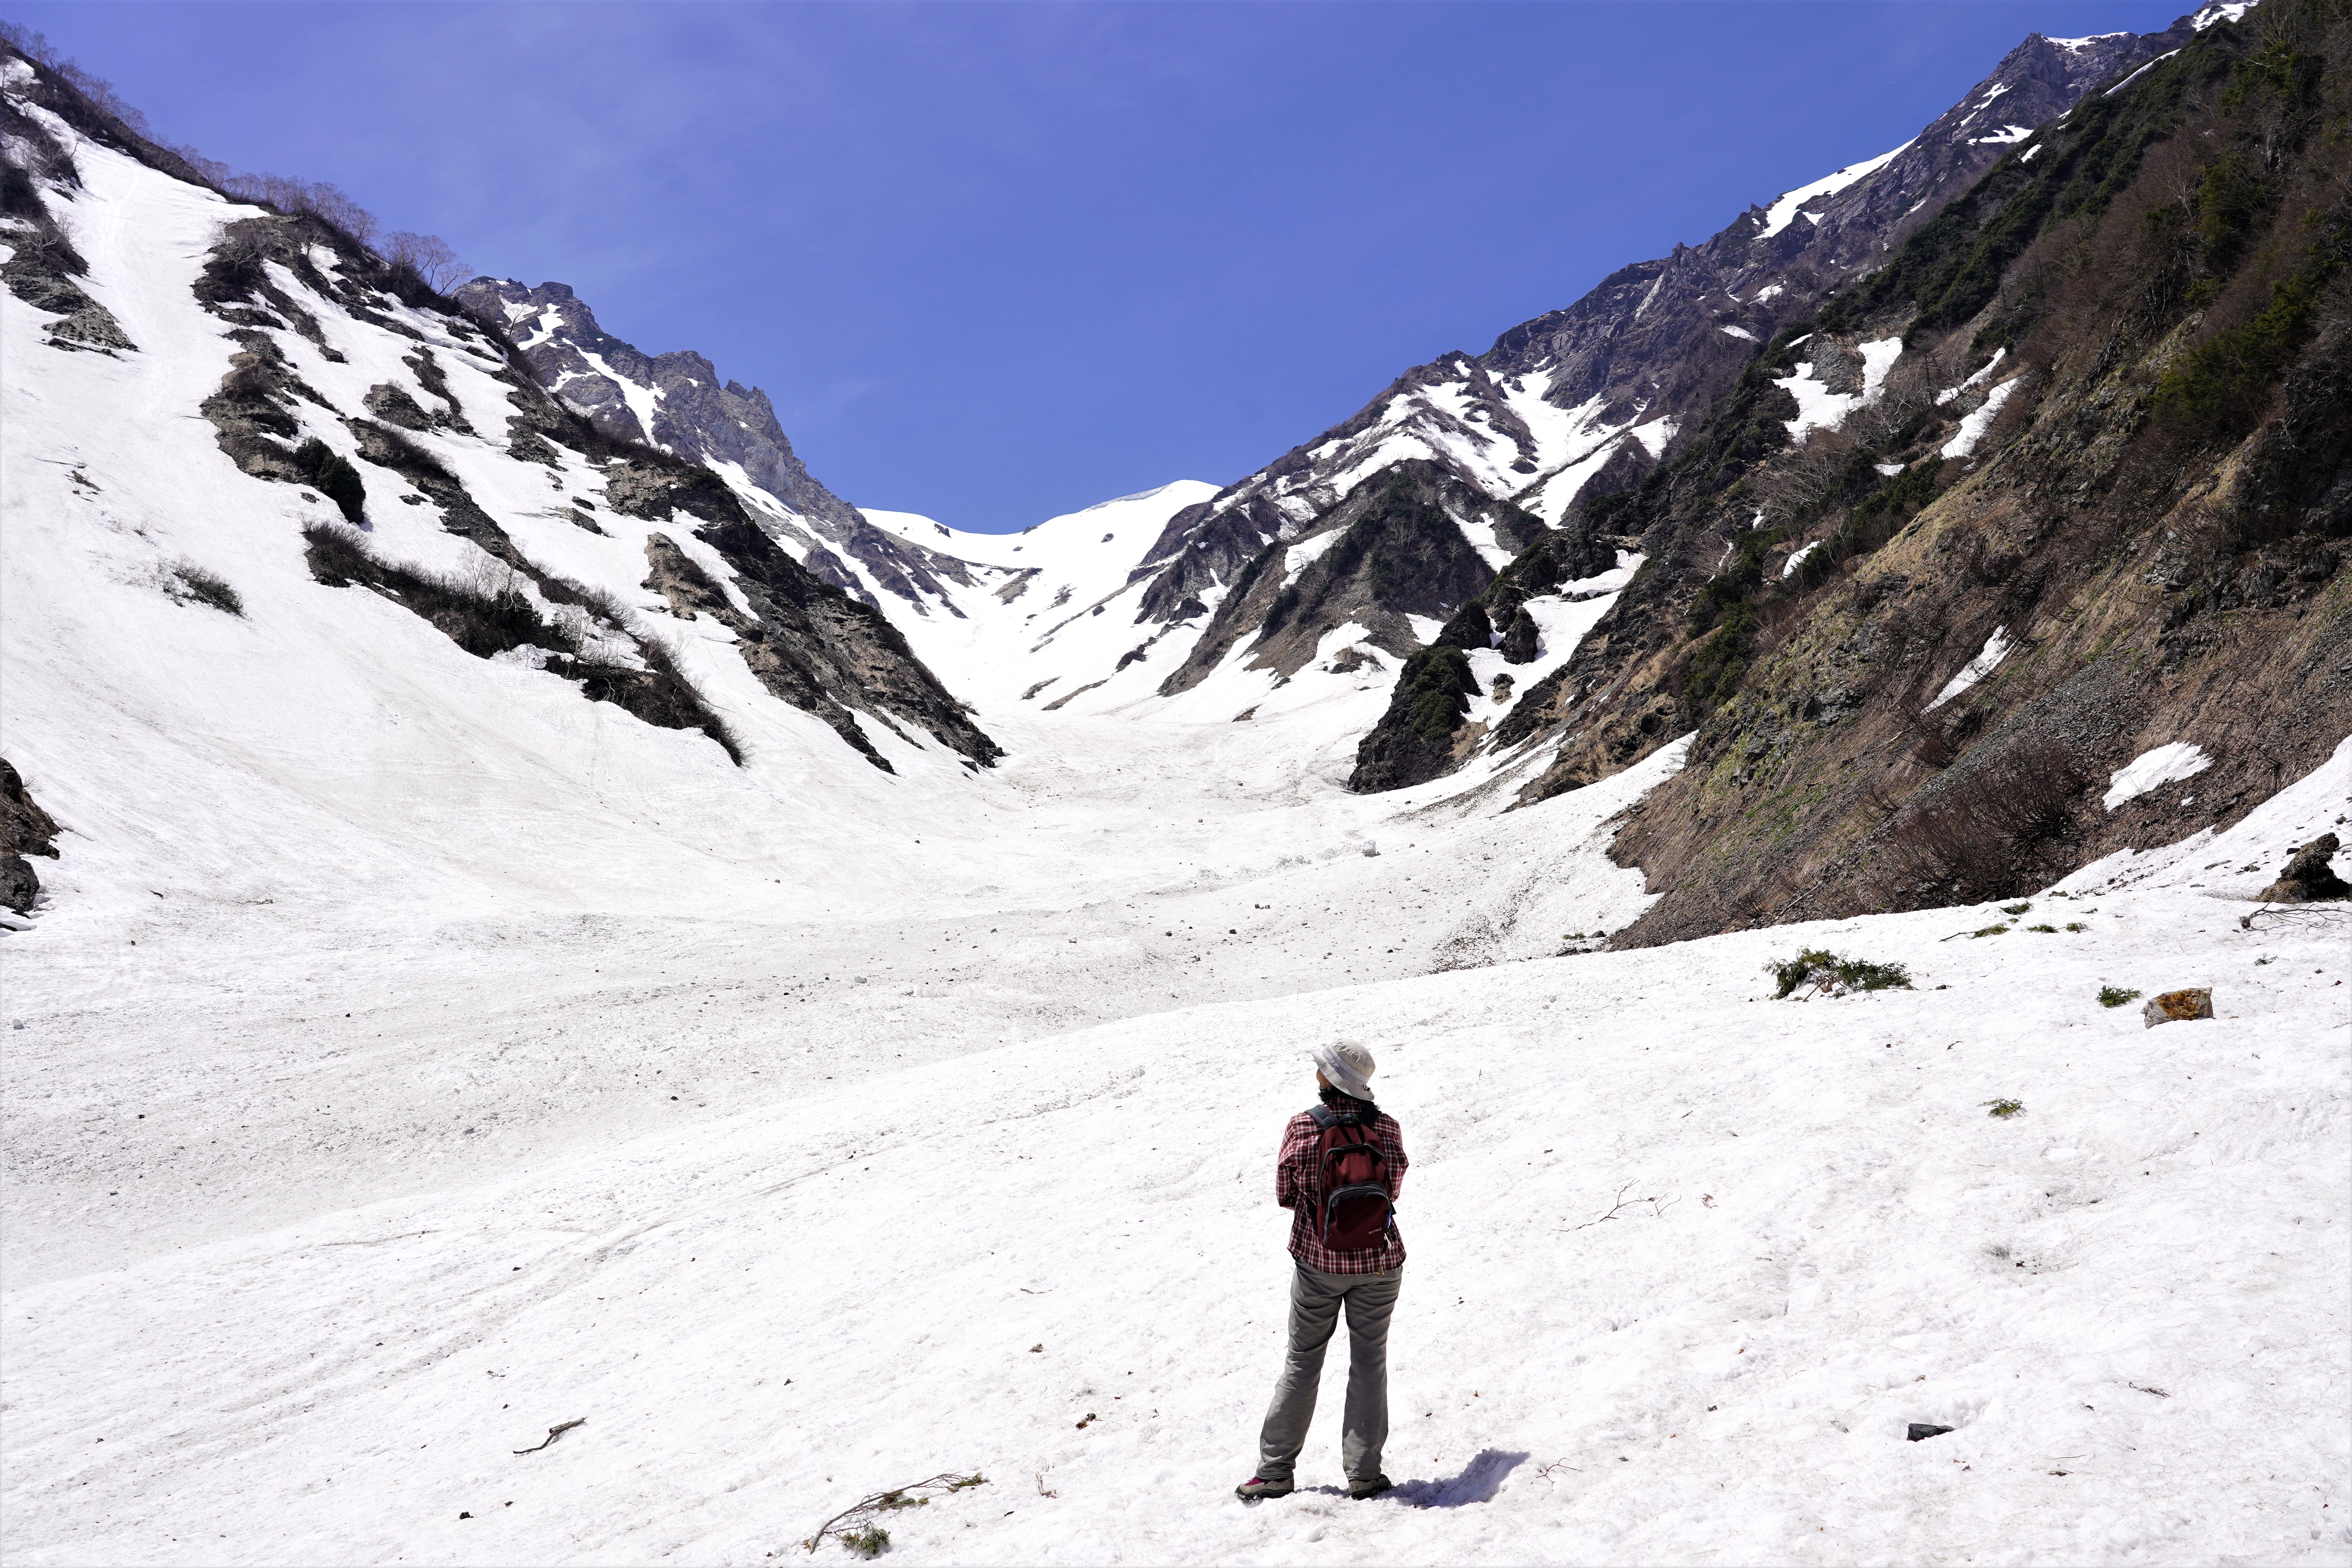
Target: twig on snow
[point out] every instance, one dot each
(2298, 915)
(2145, 1389)
(895, 1498)
(554, 1433)
(1658, 1207)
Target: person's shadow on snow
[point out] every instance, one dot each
(1480, 1480)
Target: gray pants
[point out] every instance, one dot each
(1315, 1301)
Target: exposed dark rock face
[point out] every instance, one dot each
(43, 265)
(1393, 548)
(2308, 877)
(809, 643)
(1413, 741)
(1405, 748)
(701, 418)
(25, 829)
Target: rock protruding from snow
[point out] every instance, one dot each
(2308, 878)
(1398, 547)
(25, 829)
(2178, 1006)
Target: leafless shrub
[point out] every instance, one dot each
(1806, 478)
(683, 703)
(485, 609)
(598, 601)
(322, 200)
(44, 248)
(208, 587)
(427, 256)
(237, 265)
(31, 45)
(1933, 746)
(100, 92)
(1988, 832)
(1908, 391)
(338, 556)
(388, 448)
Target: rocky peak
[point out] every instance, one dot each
(678, 402)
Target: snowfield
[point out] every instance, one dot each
(2129, 1299)
(410, 1056)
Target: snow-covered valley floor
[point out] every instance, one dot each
(307, 1308)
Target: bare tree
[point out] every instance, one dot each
(35, 46)
(1909, 389)
(97, 89)
(329, 203)
(428, 256)
(1794, 484)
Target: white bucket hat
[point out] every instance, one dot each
(1348, 1067)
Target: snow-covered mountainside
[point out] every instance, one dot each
(1588, 399)
(1050, 615)
(431, 510)
(2067, 480)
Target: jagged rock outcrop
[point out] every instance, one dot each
(1393, 549)
(43, 263)
(810, 644)
(25, 829)
(695, 415)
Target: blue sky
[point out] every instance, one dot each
(994, 262)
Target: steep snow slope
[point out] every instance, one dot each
(1684, 1263)
(1051, 609)
(222, 750)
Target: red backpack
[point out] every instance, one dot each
(1357, 1208)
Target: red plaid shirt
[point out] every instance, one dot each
(1298, 1186)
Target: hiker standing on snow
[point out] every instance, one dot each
(1342, 1166)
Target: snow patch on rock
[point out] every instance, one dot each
(2153, 770)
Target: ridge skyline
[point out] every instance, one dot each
(1038, 403)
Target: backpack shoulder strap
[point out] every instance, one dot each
(1323, 1116)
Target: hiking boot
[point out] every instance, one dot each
(1373, 1488)
(1255, 1487)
